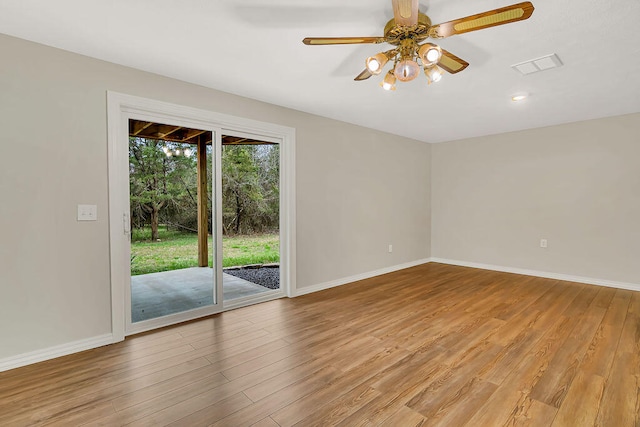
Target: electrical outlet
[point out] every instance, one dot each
(390, 248)
(543, 243)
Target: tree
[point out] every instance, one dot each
(250, 188)
(158, 181)
(241, 191)
(268, 161)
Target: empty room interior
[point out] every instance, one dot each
(456, 188)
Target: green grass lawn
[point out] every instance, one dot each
(177, 250)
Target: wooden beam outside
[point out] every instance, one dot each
(203, 226)
(235, 140)
(193, 134)
(170, 131)
(183, 135)
(161, 132)
(139, 127)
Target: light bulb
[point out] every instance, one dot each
(389, 82)
(406, 70)
(165, 149)
(376, 62)
(188, 152)
(178, 152)
(430, 54)
(433, 73)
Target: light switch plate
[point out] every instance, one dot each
(87, 212)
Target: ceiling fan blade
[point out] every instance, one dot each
(364, 75)
(451, 63)
(405, 12)
(491, 18)
(341, 40)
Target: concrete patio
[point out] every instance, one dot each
(159, 294)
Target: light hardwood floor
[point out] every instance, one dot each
(430, 345)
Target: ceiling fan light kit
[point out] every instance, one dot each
(406, 70)
(409, 28)
(376, 62)
(430, 54)
(389, 81)
(433, 73)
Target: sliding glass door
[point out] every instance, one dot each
(183, 183)
(250, 217)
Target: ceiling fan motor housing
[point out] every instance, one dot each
(394, 34)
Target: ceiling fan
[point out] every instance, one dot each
(408, 28)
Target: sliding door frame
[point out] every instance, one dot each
(121, 108)
(283, 228)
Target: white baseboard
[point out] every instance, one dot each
(545, 274)
(355, 278)
(525, 272)
(53, 352)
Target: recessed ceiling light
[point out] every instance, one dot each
(519, 97)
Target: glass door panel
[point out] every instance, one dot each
(170, 181)
(250, 200)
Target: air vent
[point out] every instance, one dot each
(539, 64)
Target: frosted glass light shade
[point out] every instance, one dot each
(389, 82)
(376, 62)
(433, 73)
(430, 54)
(406, 70)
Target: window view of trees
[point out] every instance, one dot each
(250, 188)
(163, 197)
(162, 179)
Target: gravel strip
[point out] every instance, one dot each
(267, 277)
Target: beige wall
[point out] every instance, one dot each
(358, 191)
(577, 185)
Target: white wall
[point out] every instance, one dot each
(358, 191)
(576, 185)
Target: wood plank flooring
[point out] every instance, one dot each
(430, 345)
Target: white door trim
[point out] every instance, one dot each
(120, 107)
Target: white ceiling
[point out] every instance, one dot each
(253, 48)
